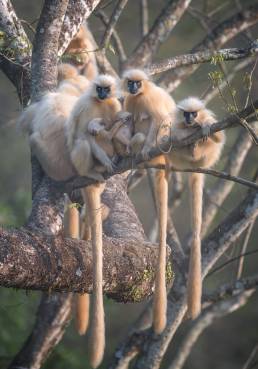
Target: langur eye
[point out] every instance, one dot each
(194, 114)
(107, 89)
(139, 84)
(98, 88)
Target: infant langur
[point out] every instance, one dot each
(91, 128)
(191, 113)
(153, 112)
(44, 121)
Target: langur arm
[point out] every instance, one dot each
(95, 126)
(218, 137)
(99, 154)
(150, 139)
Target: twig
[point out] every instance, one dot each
(221, 34)
(115, 36)
(220, 174)
(158, 33)
(112, 23)
(222, 266)
(144, 12)
(207, 318)
(243, 250)
(248, 362)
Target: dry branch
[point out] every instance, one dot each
(158, 33)
(203, 57)
(219, 36)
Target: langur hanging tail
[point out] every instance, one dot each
(92, 197)
(160, 294)
(83, 301)
(194, 286)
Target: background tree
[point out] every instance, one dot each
(153, 34)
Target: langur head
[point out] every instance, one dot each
(191, 108)
(66, 71)
(134, 81)
(104, 87)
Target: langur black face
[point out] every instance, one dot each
(134, 87)
(103, 92)
(190, 117)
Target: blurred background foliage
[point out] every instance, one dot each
(228, 342)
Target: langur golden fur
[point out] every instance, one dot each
(153, 111)
(80, 52)
(191, 113)
(44, 121)
(89, 150)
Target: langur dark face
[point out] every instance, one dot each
(134, 87)
(190, 117)
(103, 92)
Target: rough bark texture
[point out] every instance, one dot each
(32, 261)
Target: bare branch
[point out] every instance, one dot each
(207, 318)
(159, 32)
(52, 318)
(221, 189)
(112, 23)
(248, 362)
(115, 37)
(213, 247)
(203, 57)
(220, 174)
(220, 35)
(243, 250)
(144, 12)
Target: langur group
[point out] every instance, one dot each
(83, 129)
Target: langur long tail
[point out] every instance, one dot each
(194, 285)
(83, 301)
(160, 294)
(97, 336)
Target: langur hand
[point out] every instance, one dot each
(109, 166)
(145, 152)
(206, 131)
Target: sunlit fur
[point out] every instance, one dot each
(81, 49)
(204, 154)
(153, 112)
(90, 156)
(44, 121)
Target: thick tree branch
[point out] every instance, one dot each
(203, 57)
(16, 51)
(144, 21)
(159, 32)
(219, 36)
(77, 12)
(45, 47)
(33, 261)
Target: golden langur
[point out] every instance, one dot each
(90, 149)
(191, 113)
(153, 112)
(80, 52)
(44, 121)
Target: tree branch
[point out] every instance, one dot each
(219, 36)
(213, 247)
(159, 32)
(203, 57)
(208, 316)
(77, 12)
(112, 23)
